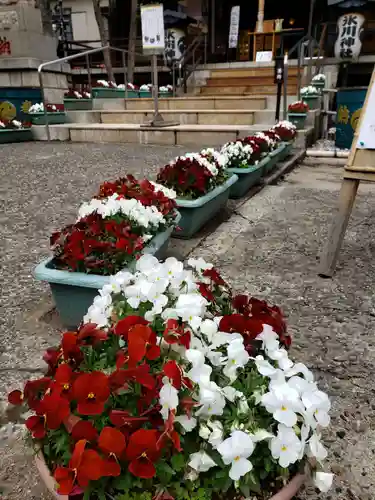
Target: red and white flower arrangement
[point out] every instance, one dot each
(298, 107)
(13, 125)
(147, 87)
(165, 89)
(285, 130)
(114, 227)
(175, 388)
(194, 174)
(239, 154)
(74, 94)
(50, 108)
(106, 84)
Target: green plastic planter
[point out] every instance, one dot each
(247, 178)
(313, 101)
(78, 104)
(318, 85)
(55, 118)
(286, 151)
(274, 157)
(196, 213)
(145, 93)
(74, 293)
(165, 94)
(298, 119)
(15, 135)
(109, 93)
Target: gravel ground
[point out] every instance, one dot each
(269, 247)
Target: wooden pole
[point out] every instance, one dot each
(260, 16)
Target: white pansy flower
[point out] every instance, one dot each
(269, 338)
(204, 432)
(188, 423)
(285, 447)
(317, 406)
(201, 461)
(168, 399)
(235, 451)
(231, 393)
(300, 368)
(217, 433)
(200, 372)
(199, 264)
(323, 481)
(208, 328)
(283, 402)
(189, 306)
(264, 367)
(261, 435)
(169, 193)
(237, 358)
(316, 448)
(211, 400)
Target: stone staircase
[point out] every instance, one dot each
(249, 81)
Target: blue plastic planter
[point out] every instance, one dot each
(195, 213)
(247, 178)
(74, 293)
(274, 157)
(145, 93)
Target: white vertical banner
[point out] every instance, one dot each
(234, 27)
(152, 19)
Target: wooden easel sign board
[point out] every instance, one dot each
(360, 166)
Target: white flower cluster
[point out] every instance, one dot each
(39, 108)
(220, 158)
(290, 394)
(15, 123)
(320, 77)
(2, 125)
(237, 154)
(147, 87)
(144, 216)
(285, 124)
(166, 88)
(83, 95)
(168, 192)
(204, 162)
(309, 91)
(105, 83)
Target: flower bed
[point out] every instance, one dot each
(14, 131)
(297, 113)
(126, 219)
(77, 101)
(54, 113)
(145, 90)
(106, 89)
(166, 91)
(201, 186)
(175, 388)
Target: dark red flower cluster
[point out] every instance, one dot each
(72, 94)
(188, 177)
(143, 191)
(298, 107)
(111, 85)
(285, 133)
(260, 142)
(272, 135)
(251, 314)
(73, 397)
(96, 245)
(254, 143)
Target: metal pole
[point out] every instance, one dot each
(205, 49)
(309, 31)
(299, 73)
(88, 72)
(285, 100)
(213, 18)
(278, 102)
(125, 74)
(156, 86)
(44, 104)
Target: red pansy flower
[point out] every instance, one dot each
(175, 333)
(122, 419)
(51, 357)
(169, 433)
(174, 373)
(51, 411)
(141, 343)
(64, 378)
(188, 404)
(205, 291)
(84, 429)
(91, 390)
(142, 452)
(125, 325)
(70, 347)
(91, 334)
(214, 276)
(112, 443)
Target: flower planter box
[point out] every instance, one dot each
(274, 157)
(74, 293)
(54, 118)
(109, 93)
(195, 213)
(145, 93)
(247, 178)
(313, 101)
(286, 493)
(15, 135)
(165, 94)
(318, 85)
(78, 104)
(298, 119)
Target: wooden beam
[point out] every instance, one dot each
(259, 27)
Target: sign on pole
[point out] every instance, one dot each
(349, 28)
(152, 19)
(234, 26)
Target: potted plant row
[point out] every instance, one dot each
(124, 220)
(201, 183)
(311, 96)
(175, 388)
(166, 91)
(297, 113)
(77, 101)
(14, 131)
(54, 113)
(107, 89)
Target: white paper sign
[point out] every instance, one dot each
(234, 26)
(366, 136)
(348, 44)
(264, 56)
(152, 18)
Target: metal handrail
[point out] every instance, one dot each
(85, 53)
(181, 62)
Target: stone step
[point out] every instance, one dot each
(245, 81)
(182, 103)
(245, 91)
(193, 136)
(249, 72)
